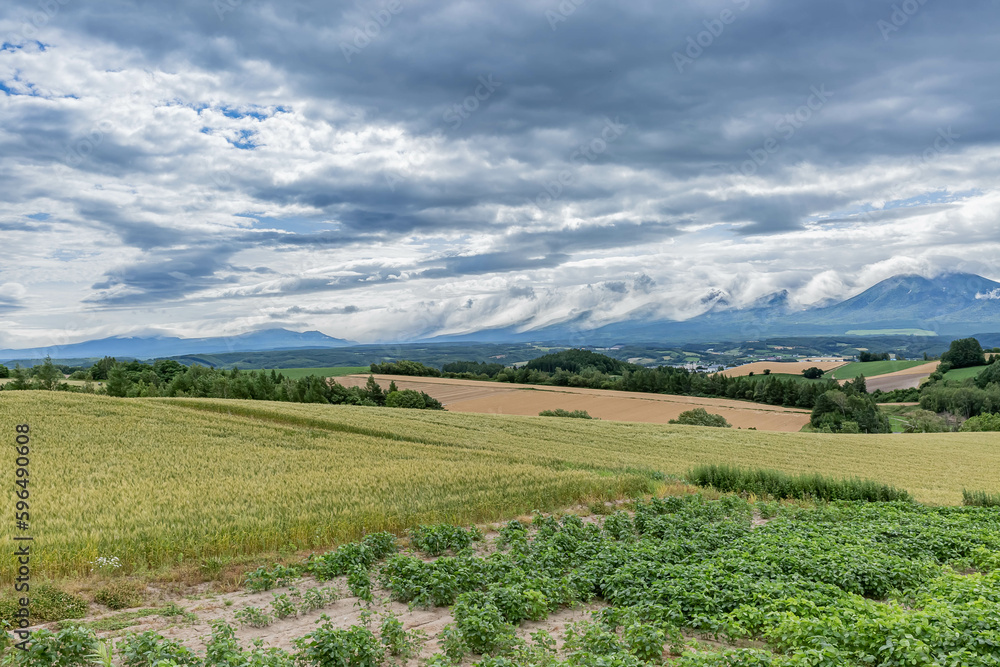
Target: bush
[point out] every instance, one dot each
(701, 417)
(70, 647)
(984, 422)
(924, 421)
(559, 412)
(48, 604)
(122, 594)
(778, 484)
(435, 540)
(980, 499)
(407, 398)
(328, 646)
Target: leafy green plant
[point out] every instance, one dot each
(69, 647)
(254, 617)
(150, 649)
(435, 540)
(48, 604)
(328, 646)
(284, 606)
(481, 624)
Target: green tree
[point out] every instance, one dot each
(813, 373)
(4, 372)
(405, 399)
(964, 353)
(118, 383)
(48, 375)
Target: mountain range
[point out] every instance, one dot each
(149, 347)
(956, 304)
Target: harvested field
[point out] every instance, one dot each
(788, 367)
(909, 378)
(528, 400)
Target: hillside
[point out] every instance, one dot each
(157, 478)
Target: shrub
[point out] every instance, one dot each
(122, 594)
(254, 617)
(924, 421)
(149, 649)
(48, 604)
(435, 540)
(328, 646)
(70, 647)
(984, 422)
(701, 417)
(407, 398)
(480, 622)
(778, 484)
(980, 499)
(572, 414)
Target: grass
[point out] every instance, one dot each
(331, 371)
(780, 485)
(169, 482)
(964, 373)
(873, 368)
(980, 498)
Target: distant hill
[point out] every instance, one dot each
(957, 304)
(163, 346)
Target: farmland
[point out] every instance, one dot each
(331, 371)
(166, 481)
(782, 367)
(876, 368)
(528, 400)
(959, 374)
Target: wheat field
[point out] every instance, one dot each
(158, 482)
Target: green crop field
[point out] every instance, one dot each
(332, 371)
(964, 373)
(161, 481)
(872, 369)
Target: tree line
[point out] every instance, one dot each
(167, 378)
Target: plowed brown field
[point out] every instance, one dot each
(520, 399)
(909, 378)
(788, 367)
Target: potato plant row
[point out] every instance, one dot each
(842, 583)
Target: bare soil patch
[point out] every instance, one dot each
(787, 367)
(528, 400)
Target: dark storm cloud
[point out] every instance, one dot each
(510, 93)
(606, 58)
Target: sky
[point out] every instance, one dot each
(400, 169)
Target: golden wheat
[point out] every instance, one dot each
(162, 481)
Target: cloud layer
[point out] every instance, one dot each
(399, 169)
